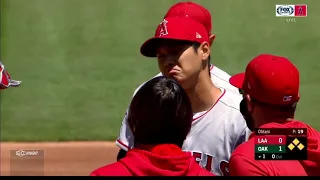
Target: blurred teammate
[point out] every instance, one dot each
(270, 94)
(5, 79)
(182, 47)
(160, 117)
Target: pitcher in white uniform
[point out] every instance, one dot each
(182, 47)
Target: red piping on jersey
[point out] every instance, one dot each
(123, 144)
(211, 67)
(224, 91)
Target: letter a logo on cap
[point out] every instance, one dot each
(163, 28)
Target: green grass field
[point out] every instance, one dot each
(79, 60)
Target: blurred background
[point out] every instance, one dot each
(79, 60)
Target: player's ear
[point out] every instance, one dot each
(249, 102)
(205, 51)
(211, 38)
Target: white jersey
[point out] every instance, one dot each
(215, 133)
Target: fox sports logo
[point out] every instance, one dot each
(285, 10)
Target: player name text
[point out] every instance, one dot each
(263, 131)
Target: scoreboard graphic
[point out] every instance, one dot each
(281, 144)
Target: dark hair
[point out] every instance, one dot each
(160, 113)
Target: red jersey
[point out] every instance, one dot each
(242, 162)
(160, 160)
(5, 79)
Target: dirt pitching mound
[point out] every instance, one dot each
(56, 159)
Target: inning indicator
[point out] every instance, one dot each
(289, 144)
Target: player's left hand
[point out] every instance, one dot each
(5, 79)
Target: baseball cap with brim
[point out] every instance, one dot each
(175, 28)
(270, 79)
(237, 80)
(192, 10)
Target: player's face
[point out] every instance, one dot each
(181, 61)
(246, 110)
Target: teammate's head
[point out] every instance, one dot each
(181, 45)
(160, 113)
(194, 11)
(270, 87)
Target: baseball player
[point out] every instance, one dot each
(5, 79)
(270, 94)
(183, 53)
(164, 108)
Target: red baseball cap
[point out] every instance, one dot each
(270, 79)
(192, 10)
(175, 28)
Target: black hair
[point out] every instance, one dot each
(160, 113)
